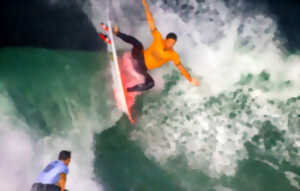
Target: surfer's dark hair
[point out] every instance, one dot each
(172, 36)
(64, 155)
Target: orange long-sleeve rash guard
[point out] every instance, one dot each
(155, 56)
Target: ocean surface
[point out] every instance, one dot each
(238, 131)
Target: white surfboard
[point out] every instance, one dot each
(118, 81)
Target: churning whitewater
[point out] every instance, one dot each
(237, 131)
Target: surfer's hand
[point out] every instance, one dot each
(195, 82)
(115, 29)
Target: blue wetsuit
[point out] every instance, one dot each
(50, 176)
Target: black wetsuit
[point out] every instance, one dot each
(45, 187)
(137, 53)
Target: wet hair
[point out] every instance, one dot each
(64, 155)
(172, 36)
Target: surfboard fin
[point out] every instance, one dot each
(105, 38)
(104, 27)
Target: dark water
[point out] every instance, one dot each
(44, 24)
(40, 81)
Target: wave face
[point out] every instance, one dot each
(239, 125)
(50, 101)
(238, 131)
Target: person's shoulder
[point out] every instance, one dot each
(64, 168)
(61, 164)
(55, 162)
(174, 54)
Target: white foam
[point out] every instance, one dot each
(222, 188)
(293, 178)
(219, 47)
(16, 159)
(24, 155)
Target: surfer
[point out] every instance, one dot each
(159, 53)
(54, 176)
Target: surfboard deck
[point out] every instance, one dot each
(120, 91)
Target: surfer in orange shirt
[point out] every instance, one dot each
(159, 53)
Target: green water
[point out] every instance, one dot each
(49, 87)
(122, 164)
(41, 82)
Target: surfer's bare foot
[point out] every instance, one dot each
(115, 29)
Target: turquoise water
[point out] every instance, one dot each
(40, 82)
(234, 140)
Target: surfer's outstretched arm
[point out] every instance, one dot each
(183, 71)
(149, 16)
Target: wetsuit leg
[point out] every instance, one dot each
(44, 187)
(149, 83)
(53, 188)
(131, 40)
(137, 53)
(34, 187)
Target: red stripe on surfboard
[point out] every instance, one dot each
(126, 97)
(105, 38)
(118, 102)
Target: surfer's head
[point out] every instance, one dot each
(170, 41)
(65, 157)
